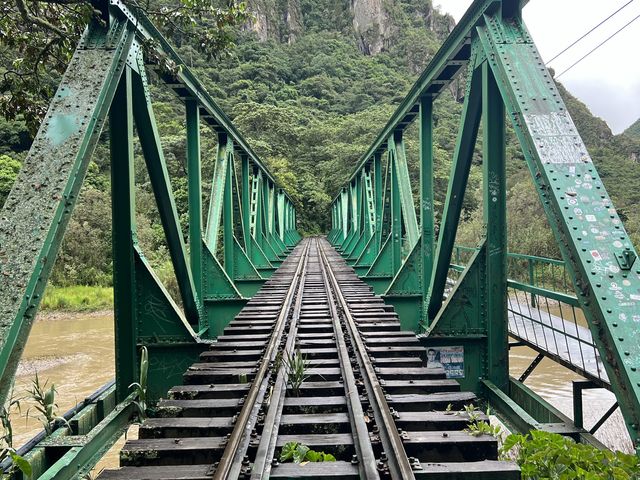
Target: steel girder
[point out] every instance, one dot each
(505, 73)
(107, 77)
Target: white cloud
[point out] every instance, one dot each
(608, 81)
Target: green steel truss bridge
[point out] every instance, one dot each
(364, 306)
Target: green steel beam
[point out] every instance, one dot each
(396, 215)
(246, 203)
(495, 220)
(403, 183)
(379, 194)
(594, 244)
(195, 193)
(159, 176)
(216, 200)
(344, 213)
(281, 215)
(369, 204)
(227, 214)
(443, 67)
(463, 153)
(123, 235)
(184, 82)
(427, 221)
(37, 210)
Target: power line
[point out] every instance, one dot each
(598, 46)
(594, 28)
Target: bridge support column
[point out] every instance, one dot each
(426, 194)
(495, 219)
(195, 194)
(124, 233)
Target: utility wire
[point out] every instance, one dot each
(598, 46)
(594, 28)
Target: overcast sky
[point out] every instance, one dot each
(608, 81)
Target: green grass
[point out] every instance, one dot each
(79, 298)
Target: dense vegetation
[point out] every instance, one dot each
(310, 108)
(544, 455)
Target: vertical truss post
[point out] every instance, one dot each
(268, 205)
(159, 176)
(344, 215)
(426, 192)
(216, 200)
(246, 205)
(369, 205)
(495, 220)
(379, 194)
(404, 191)
(356, 202)
(227, 214)
(258, 220)
(195, 193)
(124, 235)
(463, 153)
(281, 214)
(396, 209)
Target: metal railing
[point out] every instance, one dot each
(543, 312)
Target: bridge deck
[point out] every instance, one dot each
(316, 358)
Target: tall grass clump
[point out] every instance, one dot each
(78, 298)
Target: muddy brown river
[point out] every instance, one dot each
(76, 353)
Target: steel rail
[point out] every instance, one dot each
(266, 448)
(360, 432)
(400, 467)
(228, 458)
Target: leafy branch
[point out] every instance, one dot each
(40, 36)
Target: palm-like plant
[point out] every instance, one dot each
(140, 387)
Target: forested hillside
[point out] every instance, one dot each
(310, 83)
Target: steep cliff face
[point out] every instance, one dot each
(275, 19)
(377, 25)
(371, 25)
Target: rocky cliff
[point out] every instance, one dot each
(375, 24)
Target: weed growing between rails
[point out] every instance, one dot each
(478, 426)
(296, 365)
(299, 453)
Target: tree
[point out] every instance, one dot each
(38, 38)
(9, 169)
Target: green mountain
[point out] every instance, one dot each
(634, 130)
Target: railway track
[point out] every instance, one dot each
(314, 358)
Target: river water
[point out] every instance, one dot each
(76, 353)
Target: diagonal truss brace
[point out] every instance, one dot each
(37, 210)
(588, 228)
